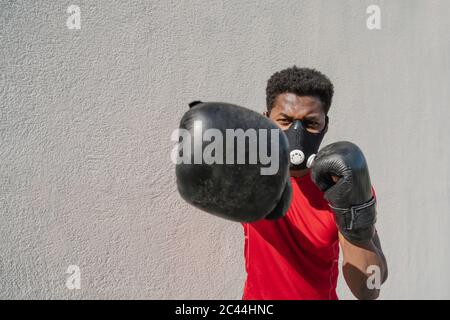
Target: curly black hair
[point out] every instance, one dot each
(302, 82)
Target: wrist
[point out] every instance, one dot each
(357, 223)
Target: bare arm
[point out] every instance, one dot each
(356, 262)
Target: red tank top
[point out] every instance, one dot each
(295, 257)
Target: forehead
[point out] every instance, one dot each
(297, 106)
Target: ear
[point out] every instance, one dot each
(266, 114)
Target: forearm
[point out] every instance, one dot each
(341, 172)
(362, 264)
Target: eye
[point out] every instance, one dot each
(284, 121)
(312, 124)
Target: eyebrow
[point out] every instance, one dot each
(313, 117)
(285, 115)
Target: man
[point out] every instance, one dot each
(296, 257)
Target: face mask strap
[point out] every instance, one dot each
(326, 125)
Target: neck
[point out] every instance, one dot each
(299, 173)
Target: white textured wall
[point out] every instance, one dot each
(86, 117)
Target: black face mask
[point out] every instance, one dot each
(303, 145)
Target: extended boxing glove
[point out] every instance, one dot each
(351, 197)
(232, 162)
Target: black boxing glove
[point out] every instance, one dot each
(227, 187)
(283, 204)
(351, 197)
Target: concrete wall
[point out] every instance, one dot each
(86, 117)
